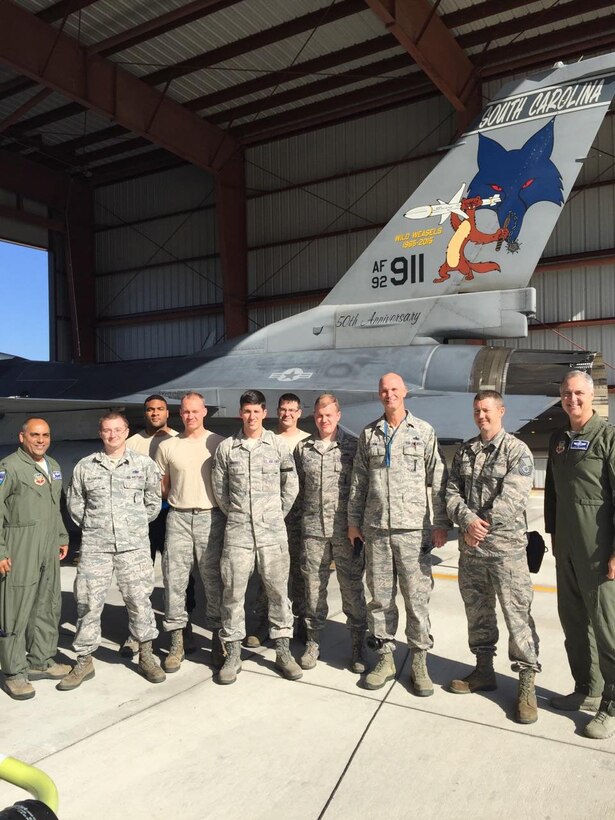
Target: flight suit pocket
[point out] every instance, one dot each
(24, 571)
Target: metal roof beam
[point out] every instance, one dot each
(544, 49)
(362, 99)
(323, 63)
(545, 17)
(103, 86)
(326, 84)
(33, 181)
(62, 9)
(480, 11)
(159, 25)
(307, 22)
(318, 64)
(418, 28)
(28, 105)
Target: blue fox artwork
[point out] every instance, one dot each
(521, 177)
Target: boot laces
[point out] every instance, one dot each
(382, 663)
(525, 680)
(312, 649)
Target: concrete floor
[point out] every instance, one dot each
(119, 747)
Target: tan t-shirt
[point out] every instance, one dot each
(292, 441)
(188, 462)
(147, 445)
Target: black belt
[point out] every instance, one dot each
(193, 510)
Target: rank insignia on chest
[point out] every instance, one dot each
(56, 475)
(39, 479)
(561, 447)
(2, 477)
(579, 444)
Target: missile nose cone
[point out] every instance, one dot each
(421, 212)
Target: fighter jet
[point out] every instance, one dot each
(417, 287)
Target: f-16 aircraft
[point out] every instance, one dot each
(453, 263)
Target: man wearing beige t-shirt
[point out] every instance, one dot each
(289, 413)
(195, 526)
(147, 442)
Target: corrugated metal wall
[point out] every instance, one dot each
(156, 249)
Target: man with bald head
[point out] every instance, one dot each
(33, 541)
(580, 515)
(397, 460)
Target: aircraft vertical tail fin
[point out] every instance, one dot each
(481, 219)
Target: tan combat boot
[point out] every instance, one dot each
(419, 676)
(358, 664)
(174, 659)
(56, 671)
(83, 670)
(480, 679)
(382, 672)
(258, 636)
(232, 663)
(148, 665)
(527, 708)
(309, 659)
(18, 687)
(217, 652)
(285, 662)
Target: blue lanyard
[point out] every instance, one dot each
(388, 443)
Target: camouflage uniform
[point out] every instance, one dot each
(324, 470)
(194, 536)
(255, 487)
(390, 505)
(113, 505)
(493, 481)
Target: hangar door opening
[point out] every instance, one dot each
(24, 305)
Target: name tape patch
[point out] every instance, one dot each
(579, 444)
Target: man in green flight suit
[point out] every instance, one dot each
(580, 515)
(33, 541)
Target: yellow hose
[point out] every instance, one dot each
(33, 780)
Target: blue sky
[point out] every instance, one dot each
(24, 301)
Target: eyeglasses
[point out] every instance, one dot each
(108, 432)
(283, 410)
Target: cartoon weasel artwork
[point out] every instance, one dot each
(466, 231)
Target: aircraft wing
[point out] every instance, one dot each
(450, 414)
(31, 406)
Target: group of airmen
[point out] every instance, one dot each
(287, 505)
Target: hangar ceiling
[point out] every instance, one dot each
(111, 89)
